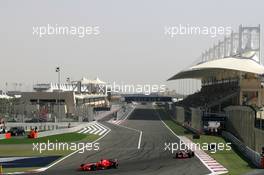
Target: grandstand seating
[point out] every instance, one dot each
(211, 95)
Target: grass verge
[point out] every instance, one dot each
(23, 147)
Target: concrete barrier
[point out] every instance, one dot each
(42, 126)
(259, 139)
(241, 123)
(180, 114)
(196, 119)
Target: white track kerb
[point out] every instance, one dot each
(197, 155)
(63, 158)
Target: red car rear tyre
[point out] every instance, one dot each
(93, 168)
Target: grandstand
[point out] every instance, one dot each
(231, 76)
(71, 101)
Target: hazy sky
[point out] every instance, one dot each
(131, 47)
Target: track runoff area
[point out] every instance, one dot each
(138, 143)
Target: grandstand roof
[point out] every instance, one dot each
(216, 66)
(95, 81)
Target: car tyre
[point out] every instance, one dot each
(115, 166)
(93, 168)
(176, 155)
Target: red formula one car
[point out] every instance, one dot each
(101, 165)
(183, 154)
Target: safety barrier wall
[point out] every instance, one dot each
(42, 126)
(196, 119)
(180, 115)
(171, 109)
(65, 130)
(253, 156)
(241, 123)
(76, 127)
(259, 139)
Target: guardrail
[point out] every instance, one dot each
(251, 155)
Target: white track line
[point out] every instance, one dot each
(84, 129)
(93, 130)
(104, 129)
(139, 140)
(89, 129)
(98, 127)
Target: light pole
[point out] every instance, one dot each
(58, 71)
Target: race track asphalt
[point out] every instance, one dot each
(122, 143)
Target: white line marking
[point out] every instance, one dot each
(99, 129)
(93, 130)
(139, 140)
(89, 129)
(104, 129)
(82, 130)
